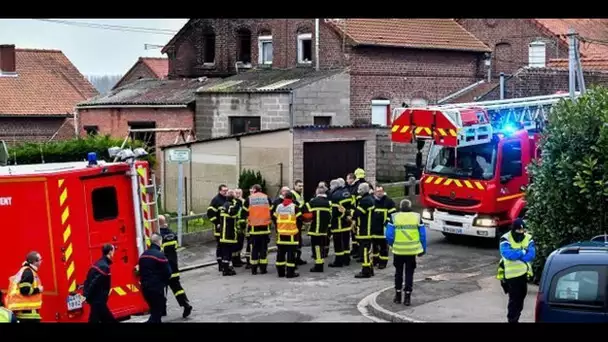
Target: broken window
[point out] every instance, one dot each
(147, 135)
(305, 48)
(244, 46)
(209, 48)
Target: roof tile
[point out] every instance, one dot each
(586, 28)
(591, 63)
(159, 66)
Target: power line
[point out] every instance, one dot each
(121, 28)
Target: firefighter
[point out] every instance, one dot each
(383, 209)
(214, 216)
(342, 207)
(406, 234)
(259, 212)
(169, 247)
(97, 287)
(327, 237)
(363, 216)
(287, 217)
(353, 186)
(320, 207)
(229, 214)
(298, 198)
(6, 315)
(517, 250)
(24, 296)
(241, 232)
(155, 273)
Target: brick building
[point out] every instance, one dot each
(145, 67)
(38, 92)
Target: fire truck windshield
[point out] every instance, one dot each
(473, 162)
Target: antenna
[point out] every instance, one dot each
(152, 46)
(3, 154)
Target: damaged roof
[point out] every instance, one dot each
(268, 80)
(150, 91)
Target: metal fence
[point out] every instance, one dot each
(190, 223)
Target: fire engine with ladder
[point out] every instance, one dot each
(475, 176)
(67, 212)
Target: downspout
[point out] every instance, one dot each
(502, 85)
(291, 111)
(76, 130)
(317, 44)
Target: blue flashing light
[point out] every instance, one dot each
(509, 128)
(92, 158)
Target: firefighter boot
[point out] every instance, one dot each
(236, 261)
(220, 265)
(365, 273)
(281, 271)
(248, 265)
(317, 268)
(228, 271)
(291, 273)
(263, 268)
(254, 269)
(407, 300)
(299, 261)
(397, 299)
(346, 260)
(183, 301)
(337, 262)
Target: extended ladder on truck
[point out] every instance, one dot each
(473, 123)
(148, 202)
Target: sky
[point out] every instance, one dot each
(93, 49)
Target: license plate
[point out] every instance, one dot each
(75, 302)
(452, 230)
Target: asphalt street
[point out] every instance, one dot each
(331, 296)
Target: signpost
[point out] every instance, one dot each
(180, 157)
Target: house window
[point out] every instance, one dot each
(265, 49)
(105, 203)
(209, 48)
(147, 135)
(537, 55)
(381, 112)
(91, 130)
(305, 48)
(244, 124)
(322, 120)
(244, 46)
(579, 288)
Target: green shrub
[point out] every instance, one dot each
(68, 150)
(249, 178)
(566, 198)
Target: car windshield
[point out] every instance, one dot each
(475, 162)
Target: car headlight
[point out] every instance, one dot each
(427, 214)
(485, 222)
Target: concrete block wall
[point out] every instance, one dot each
(390, 165)
(327, 97)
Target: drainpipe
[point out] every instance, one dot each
(291, 116)
(76, 130)
(317, 44)
(502, 85)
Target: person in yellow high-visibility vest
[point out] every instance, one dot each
(24, 297)
(6, 315)
(406, 235)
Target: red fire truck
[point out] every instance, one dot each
(66, 212)
(475, 175)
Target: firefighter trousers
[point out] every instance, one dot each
(299, 248)
(317, 245)
(178, 291)
(365, 252)
(341, 248)
(248, 250)
(157, 302)
(259, 249)
(226, 251)
(100, 313)
(380, 251)
(286, 260)
(354, 252)
(218, 250)
(404, 264)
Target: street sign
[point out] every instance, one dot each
(179, 156)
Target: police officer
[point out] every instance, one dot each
(384, 208)
(155, 272)
(363, 215)
(97, 287)
(287, 218)
(228, 232)
(214, 216)
(259, 210)
(298, 199)
(518, 251)
(406, 234)
(6, 315)
(24, 297)
(320, 208)
(342, 207)
(241, 224)
(169, 247)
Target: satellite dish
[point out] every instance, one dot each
(3, 154)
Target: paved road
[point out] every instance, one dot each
(328, 297)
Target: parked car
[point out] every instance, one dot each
(573, 284)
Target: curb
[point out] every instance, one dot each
(379, 312)
(213, 263)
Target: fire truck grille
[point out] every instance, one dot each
(456, 202)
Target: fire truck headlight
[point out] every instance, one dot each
(427, 214)
(485, 222)
(140, 152)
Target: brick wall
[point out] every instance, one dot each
(509, 39)
(17, 129)
(327, 97)
(139, 71)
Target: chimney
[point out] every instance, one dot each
(7, 59)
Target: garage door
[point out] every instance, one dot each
(324, 161)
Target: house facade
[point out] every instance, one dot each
(145, 67)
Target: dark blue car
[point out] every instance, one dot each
(573, 284)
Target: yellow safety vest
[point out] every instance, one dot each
(407, 236)
(515, 268)
(6, 316)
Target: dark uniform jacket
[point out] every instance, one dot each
(213, 212)
(27, 280)
(170, 247)
(321, 208)
(229, 218)
(154, 270)
(354, 191)
(98, 284)
(363, 215)
(383, 209)
(242, 217)
(341, 197)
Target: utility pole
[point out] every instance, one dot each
(575, 68)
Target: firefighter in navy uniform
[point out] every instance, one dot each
(364, 213)
(97, 287)
(169, 247)
(298, 198)
(214, 216)
(288, 220)
(242, 233)
(342, 207)
(229, 214)
(154, 273)
(259, 218)
(24, 297)
(384, 208)
(354, 180)
(320, 207)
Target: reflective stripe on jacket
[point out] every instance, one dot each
(407, 236)
(15, 301)
(287, 219)
(515, 268)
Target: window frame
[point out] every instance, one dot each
(89, 128)
(536, 46)
(577, 305)
(321, 117)
(231, 124)
(301, 38)
(241, 34)
(104, 204)
(381, 103)
(261, 41)
(503, 164)
(209, 36)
